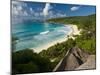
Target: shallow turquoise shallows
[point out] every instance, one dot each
(35, 34)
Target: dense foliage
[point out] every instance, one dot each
(26, 61)
(82, 21)
(58, 51)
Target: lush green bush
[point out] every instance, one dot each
(26, 61)
(25, 68)
(58, 51)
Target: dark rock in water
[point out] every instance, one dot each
(73, 59)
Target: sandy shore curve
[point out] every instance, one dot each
(74, 31)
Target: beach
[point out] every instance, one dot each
(74, 31)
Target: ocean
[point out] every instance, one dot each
(37, 34)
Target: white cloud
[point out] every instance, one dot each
(39, 9)
(22, 10)
(50, 14)
(36, 14)
(31, 9)
(41, 14)
(46, 9)
(25, 13)
(53, 14)
(60, 15)
(18, 9)
(74, 8)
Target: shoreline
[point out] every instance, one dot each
(74, 31)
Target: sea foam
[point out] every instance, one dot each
(45, 32)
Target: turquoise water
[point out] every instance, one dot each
(35, 34)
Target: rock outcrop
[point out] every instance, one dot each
(72, 60)
(89, 64)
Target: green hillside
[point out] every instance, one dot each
(78, 20)
(87, 40)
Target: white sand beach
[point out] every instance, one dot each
(74, 31)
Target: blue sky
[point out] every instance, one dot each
(38, 10)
